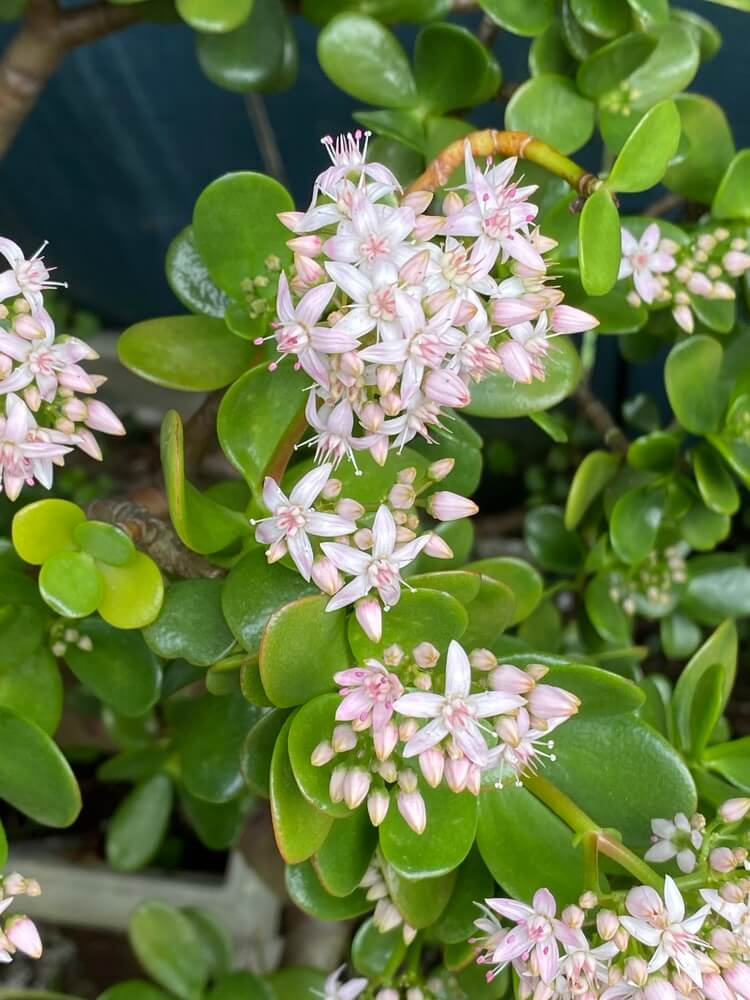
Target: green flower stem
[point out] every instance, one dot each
(583, 825)
(591, 862)
(492, 142)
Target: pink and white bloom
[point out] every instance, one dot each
(294, 518)
(375, 233)
(349, 157)
(335, 989)
(26, 277)
(335, 426)
(521, 746)
(454, 713)
(644, 260)
(369, 694)
(372, 295)
(27, 452)
(536, 936)
(675, 839)
(46, 363)
(380, 569)
(662, 925)
(299, 331)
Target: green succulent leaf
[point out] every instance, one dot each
(169, 948)
(139, 823)
(191, 624)
(643, 160)
(551, 108)
(599, 243)
(732, 199)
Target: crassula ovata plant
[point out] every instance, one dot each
(515, 772)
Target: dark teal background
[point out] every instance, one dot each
(128, 132)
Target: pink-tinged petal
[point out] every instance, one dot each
(663, 850)
(663, 828)
(350, 280)
(628, 241)
(13, 486)
(491, 703)
(510, 908)
(643, 902)
(329, 525)
(15, 347)
(273, 497)
(575, 939)
(386, 352)
(516, 362)
(268, 531)
(420, 704)
(390, 592)
(641, 931)
(646, 285)
(405, 554)
(352, 592)
(521, 250)
(650, 238)
(19, 420)
(356, 322)
(284, 307)
(675, 904)
(301, 552)
(567, 319)
(342, 248)
(410, 312)
(398, 223)
(383, 533)
(333, 340)
(354, 705)
(11, 251)
(8, 285)
(313, 364)
(625, 269)
(693, 924)
(427, 737)
(470, 741)
(544, 902)
(74, 377)
(306, 491)
(19, 378)
(457, 671)
(548, 959)
(346, 557)
(661, 262)
(313, 304)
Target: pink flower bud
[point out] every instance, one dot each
(425, 655)
(388, 771)
(388, 994)
(343, 738)
(352, 510)
(414, 270)
(588, 900)
(276, 551)
(419, 201)
(567, 319)
(326, 576)
(438, 548)
(101, 418)
(699, 284)
(363, 538)
(369, 614)
(537, 671)
(735, 263)
(412, 808)
(386, 379)
(308, 245)
(423, 682)
(737, 977)
(573, 916)
(402, 496)
(352, 364)
(427, 226)
(447, 506)
(516, 362)
(391, 403)
(548, 702)
(636, 971)
(441, 469)
(33, 398)
(88, 444)
(75, 409)
(722, 859)
(309, 271)
(378, 802)
(607, 924)
(379, 449)
(621, 939)
(336, 784)
(385, 739)
(722, 939)
(407, 475)
(356, 787)
(371, 417)
(715, 988)
(393, 655)
(733, 810)
(683, 317)
(463, 311)
(457, 773)
(432, 765)
(446, 388)
(386, 916)
(64, 425)
(511, 680)
(452, 203)
(510, 312)
(406, 730)
(332, 489)
(435, 302)
(474, 780)
(23, 935)
(322, 754)
(291, 220)
(644, 902)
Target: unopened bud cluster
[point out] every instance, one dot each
(62, 635)
(665, 272)
(46, 409)
(394, 733)
(653, 587)
(18, 933)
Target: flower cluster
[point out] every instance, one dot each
(18, 932)
(386, 916)
(393, 312)
(337, 989)
(654, 586)
(42, 416)
(372, 551)
(644, 945)
(667, 273)
(490, 718)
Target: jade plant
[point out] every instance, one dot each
(515, 773)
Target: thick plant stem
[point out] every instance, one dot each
(583, 825)
(493, 142)
(46, 34)
(596, 413)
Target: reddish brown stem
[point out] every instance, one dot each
(46, 34)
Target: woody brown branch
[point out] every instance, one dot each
(45, 35)
(596, 413)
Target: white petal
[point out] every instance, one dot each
(349, 559)
(306, 492)
(674, 902)
(273, 497)
(427, 737)
(457, 671)
(301, 552)
(420, 704)
(352, 592)
(383, 533)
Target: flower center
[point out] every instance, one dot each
(290, 520)
(382, 573)
(457, 713)
(374, 246)
(32, 274)
(292, 339)
(381, 303)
